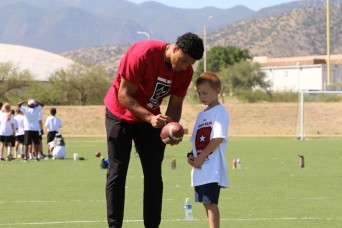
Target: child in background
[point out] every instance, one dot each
(19, 134)
(209, 141)
(7, 129)
(53, 124)
(15, 130)
(57, 147)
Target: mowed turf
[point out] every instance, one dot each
(270, 190)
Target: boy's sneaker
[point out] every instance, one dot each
(10, 157)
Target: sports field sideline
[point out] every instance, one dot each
(270, 190)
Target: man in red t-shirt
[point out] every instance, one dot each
(149, 71)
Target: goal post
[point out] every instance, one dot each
(301, 134)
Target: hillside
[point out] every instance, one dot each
(299, 32)
(263, 119)
(296, 33)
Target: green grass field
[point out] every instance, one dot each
(269, 191)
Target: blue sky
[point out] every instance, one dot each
(224, 4)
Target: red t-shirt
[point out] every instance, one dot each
(143, 65)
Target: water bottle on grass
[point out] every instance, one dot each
(188, 210)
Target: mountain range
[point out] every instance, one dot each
(65, 25)
(99, 32)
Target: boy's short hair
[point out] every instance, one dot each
(210, 77)
(191, 44)
(53, 111)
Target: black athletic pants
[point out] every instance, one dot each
(151, 153)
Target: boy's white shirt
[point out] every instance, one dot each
(6, 125)
(53, 123)
(20, 120)
(32, 117)
(210, 124)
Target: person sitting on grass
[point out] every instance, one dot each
(57, 147)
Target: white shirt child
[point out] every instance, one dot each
(212, 123)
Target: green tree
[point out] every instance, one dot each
(235, 68)
(220, 57)
(12, 80)
(79, 84)
(244, 75)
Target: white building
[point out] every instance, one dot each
(41, 64)
(302, 73)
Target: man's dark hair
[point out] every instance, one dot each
(191, 44)
(53, 111)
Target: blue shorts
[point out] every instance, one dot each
(207, 193)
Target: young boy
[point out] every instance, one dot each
(53, 124)
(209, 141)
(19, 134)
(7, 129)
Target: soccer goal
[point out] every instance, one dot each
(319, 114)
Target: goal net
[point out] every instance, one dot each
(319, 114)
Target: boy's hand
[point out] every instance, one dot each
(191, 159)
(199, 161)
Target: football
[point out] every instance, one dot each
(172, 131)
(98, 154)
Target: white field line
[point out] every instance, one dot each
(171, 220)
(69, 201)
(48, 201)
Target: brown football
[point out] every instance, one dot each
(98, 154)
(172, 131)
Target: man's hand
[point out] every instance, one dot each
(160, 121)
(174, 142)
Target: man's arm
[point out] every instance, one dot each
(21, 103)
(174, 108)
(126, 94)
(39, 103)
(213, 144)
(41, 127)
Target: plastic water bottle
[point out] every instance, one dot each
(173, 163)
(238, 163)
(188, 210)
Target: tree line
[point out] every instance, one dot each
(76, 85)
(81, 84)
